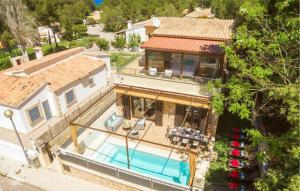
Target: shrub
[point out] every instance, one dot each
(79, 30)
(119, 43)
(31, 53)
(5, 63)
(90, 21)
(134, 41)
(102, 44)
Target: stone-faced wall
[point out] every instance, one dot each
(211, 128)
(168, 114)
(119, 105)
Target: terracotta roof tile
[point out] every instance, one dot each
(210, 29)
(183, 45)
(16, 89)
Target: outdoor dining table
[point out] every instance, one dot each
(187, 133)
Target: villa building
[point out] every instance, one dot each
(43, 93)
(155, 129)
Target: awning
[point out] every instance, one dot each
(183, 45)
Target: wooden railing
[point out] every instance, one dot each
(54, 130)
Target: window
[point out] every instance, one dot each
(34, 114)
(209, 67)
(91, 82)
(47, 109)
(156, 60)
(70, 98)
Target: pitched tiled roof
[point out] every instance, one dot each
(202, 12)
(209, 29)
(33, 65)
(183, 45)
(16, 89)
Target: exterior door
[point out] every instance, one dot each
(126, 106)
(47, 109)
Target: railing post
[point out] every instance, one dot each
(128, 165)
(151, 184)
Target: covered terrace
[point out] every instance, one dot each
(93, 140)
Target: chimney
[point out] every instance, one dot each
(38, 53)
(129, 24)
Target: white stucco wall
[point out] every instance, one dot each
(20, 117)
(137, 30)
(57, 103)
(17, 117)
(43, 95)
(14, 151)
(81, 92)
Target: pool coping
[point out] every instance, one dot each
(120, 180)
(136, 172)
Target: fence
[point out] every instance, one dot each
(120, 173)
(58, 128)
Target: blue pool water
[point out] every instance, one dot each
(144, 163)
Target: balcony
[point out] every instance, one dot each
(190, 85)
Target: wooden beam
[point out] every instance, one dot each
(187, 112)
(201, 102)
(138, 139)
(74, 137)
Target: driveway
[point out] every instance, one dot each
(7, 184)
(98, 30)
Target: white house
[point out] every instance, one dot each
(46, 32)
(41, 91)
(143, 28)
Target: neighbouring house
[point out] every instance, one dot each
(136, 28)
(96, 15)
(156, 128)
(200, 12)
(46, 32)
(42, 94)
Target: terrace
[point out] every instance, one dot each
(120, 151)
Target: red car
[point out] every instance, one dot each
(237, 186)
(237, 144)
(236, 175)
(238, 164)
(238, 136)
(238, 154)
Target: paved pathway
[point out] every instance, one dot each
(46, 179)
(8, 184)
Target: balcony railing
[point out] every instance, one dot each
(199, 82)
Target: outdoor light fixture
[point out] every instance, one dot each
(9, 114)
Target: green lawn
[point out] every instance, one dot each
(121, 59)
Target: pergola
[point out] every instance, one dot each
(75, 124)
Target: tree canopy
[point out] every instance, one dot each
(264, 82)
(117, 12)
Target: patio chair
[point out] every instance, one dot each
(140, 125)
(184, 141)
(195, 144)
(152, 71)
(168, 73)
(175, 140)
(134, 133)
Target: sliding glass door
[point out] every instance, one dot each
(142, 105)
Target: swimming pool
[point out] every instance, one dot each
(147, 164)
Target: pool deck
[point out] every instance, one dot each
(90, 140)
